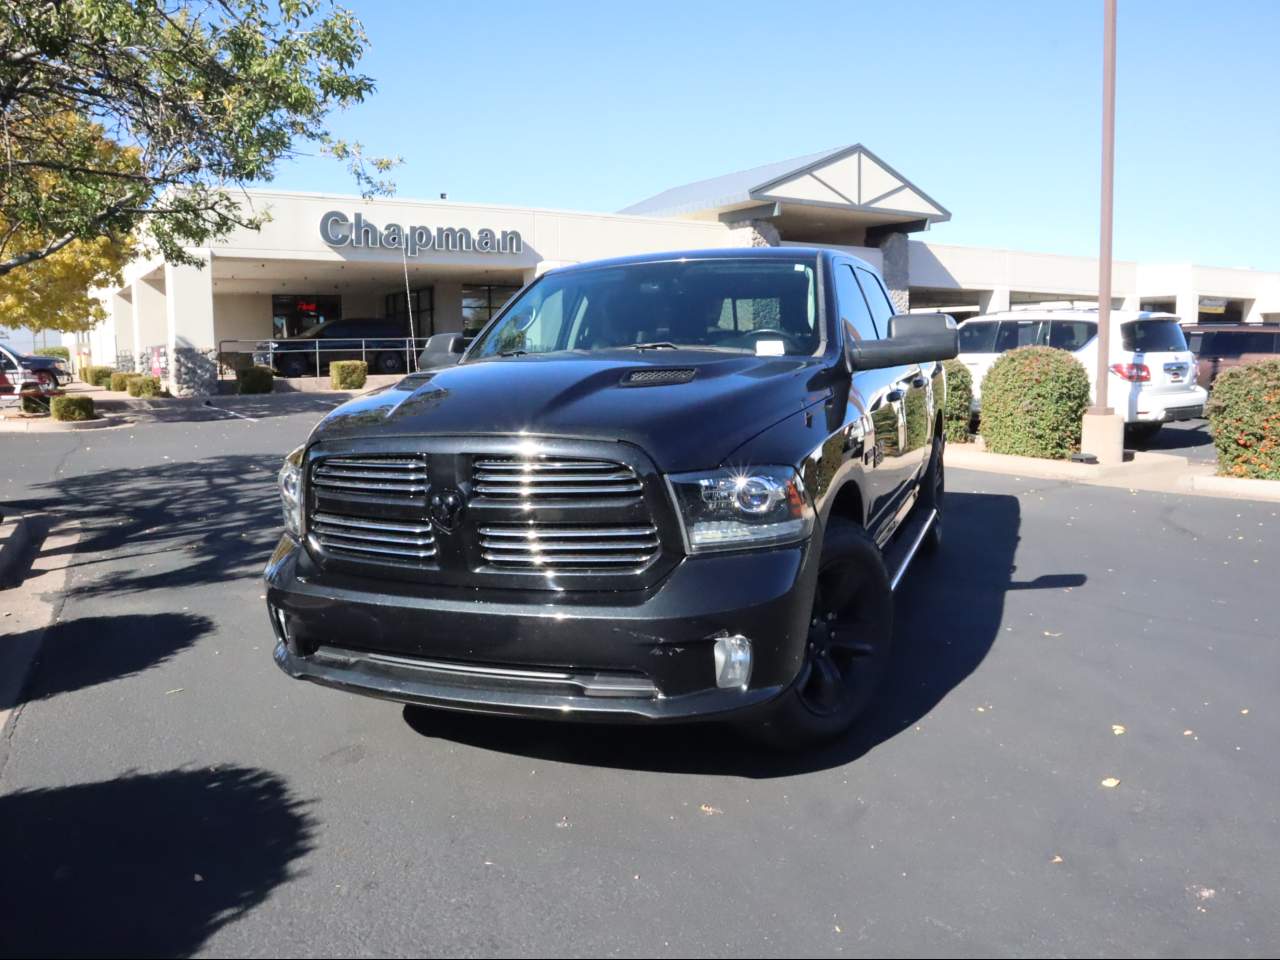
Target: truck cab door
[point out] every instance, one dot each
(876, 399)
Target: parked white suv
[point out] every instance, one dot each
(1153, 374)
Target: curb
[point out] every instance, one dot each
(13, 544)
(1237, 487)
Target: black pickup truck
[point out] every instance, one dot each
(669, 487)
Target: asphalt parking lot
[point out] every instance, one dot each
(166, 790)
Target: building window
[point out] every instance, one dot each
(480, 303)
(423, 310)
(293, 315)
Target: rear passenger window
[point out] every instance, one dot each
(1071, 334)
(1017, 333)
(1152, 336)
(853, 307)
(978, 337)
(877, 300)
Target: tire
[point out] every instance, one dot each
(933, 493)
(292, 366)
(46, 380)
(847, 651)
(389, 362)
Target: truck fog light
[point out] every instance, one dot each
(733, 661)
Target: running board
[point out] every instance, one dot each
(902, 551)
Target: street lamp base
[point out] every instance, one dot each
(1102, 435)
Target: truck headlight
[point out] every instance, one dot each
(291, 491)
(735, 508)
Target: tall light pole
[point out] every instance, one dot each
(1108, 191)
(1103, 432)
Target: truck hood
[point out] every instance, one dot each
(681, 425)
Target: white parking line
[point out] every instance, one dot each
(234, 414)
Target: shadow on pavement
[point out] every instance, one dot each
(1190, 438)
(146, 864)
(255, 406)
(83, 653)
(184, 523)
(948, 614)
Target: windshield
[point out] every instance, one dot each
(1153, 336)
(765, 307)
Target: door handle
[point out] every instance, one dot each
(918, 383)
(893, 396)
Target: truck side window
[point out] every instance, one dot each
(853, 307)
(879, 302)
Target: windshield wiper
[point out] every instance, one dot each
(655, 345)
(512, 353)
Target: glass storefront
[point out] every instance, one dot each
(423, 302)
(293, 315)
(481, 302)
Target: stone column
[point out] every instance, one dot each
(1188, 306)
(896, 269)
(193, 345)
(122, 323)
(993, 301)
(149, 325)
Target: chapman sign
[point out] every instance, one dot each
(339, 230)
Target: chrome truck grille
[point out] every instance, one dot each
(561, 549)
(528, 520)
(546, 479)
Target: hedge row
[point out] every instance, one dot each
(1244, 419)
(348, 374)
(144, 386)
(77, 407)
(63, 352)
(1033, 402)
(254, 380)
(98, 376)
(119, 382)
(958, 410)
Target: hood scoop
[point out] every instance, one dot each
(657, 377)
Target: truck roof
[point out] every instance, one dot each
(722, 253)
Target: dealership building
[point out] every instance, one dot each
(450, 265)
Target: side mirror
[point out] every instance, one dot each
(913, 338)
(442, 350)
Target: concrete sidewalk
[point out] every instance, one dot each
(1143, 470)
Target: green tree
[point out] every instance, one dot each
(122, 114)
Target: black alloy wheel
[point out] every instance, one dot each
(847, 646)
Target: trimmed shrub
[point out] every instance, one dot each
(34, 405)
(255, 380)
(78, 407)
(98, 376)
(1244, 418)
(142, 386)
(63, 352)
(120, 381)
(348, 374)
(1033, 400)
(958, 410)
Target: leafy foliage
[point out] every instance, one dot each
(1244, 418)
(144, 386)
(119, 114)
(98, 376)
(1033, 402)
(255, 380)
(119, 382)
(348, 374)
(958, 410)
(63, 353)
(72, 408)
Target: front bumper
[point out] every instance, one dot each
(612, 657)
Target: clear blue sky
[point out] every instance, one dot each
(991, 107)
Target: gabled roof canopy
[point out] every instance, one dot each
(849, 186)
